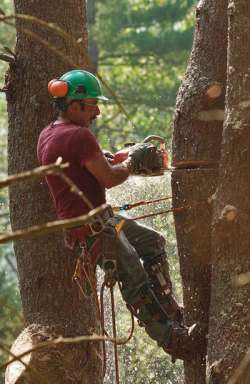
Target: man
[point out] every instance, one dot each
(145, 288)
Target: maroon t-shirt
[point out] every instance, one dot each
(75, 145)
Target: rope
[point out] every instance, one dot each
(85, 270)
(179, 209)
(114, 334)
(103, 329)
(126, 207)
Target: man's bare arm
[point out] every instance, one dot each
(108, 175)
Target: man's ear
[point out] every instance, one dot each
(75, 106)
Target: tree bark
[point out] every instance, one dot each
(93, 46)
(229, 313)
(196, 152)
(52, 304)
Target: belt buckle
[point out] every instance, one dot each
(96, 227)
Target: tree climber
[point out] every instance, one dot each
(146, 287)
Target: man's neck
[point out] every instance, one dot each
(62, 120)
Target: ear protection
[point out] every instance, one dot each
(58, 88)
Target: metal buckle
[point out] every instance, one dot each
(96, 227)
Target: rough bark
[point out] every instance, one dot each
(229, 313)
(52, 304)
(196, 152)
(93, 47)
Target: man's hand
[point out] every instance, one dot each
(109, 155)
(143, 158)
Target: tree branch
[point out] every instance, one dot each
(36, 172)
(58, 341)
(38, 230)
(39, 378)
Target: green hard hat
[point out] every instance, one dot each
(82, 85)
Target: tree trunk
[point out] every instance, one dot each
(93, 46)
(196, 152)
(229, 316)
(52, 304)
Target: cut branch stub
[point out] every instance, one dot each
(214, 91)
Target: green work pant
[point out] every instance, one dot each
(135, 247)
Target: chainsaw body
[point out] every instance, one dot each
(161, 152)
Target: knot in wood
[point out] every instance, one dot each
(229, 213)
(231, 8)
(241, 280)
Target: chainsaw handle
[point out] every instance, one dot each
(154, 137)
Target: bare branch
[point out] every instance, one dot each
(6, 58)
(40, 380)
(59, 340)
(36, 172)
(38, 230)
(9, 51)
(56, 169)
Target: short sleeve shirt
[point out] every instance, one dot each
(75, 145)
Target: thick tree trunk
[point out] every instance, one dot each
(93, 47)
(52, 304)
(229, 316)
(196, 153)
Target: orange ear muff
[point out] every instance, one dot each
(58, 88)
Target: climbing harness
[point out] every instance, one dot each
(85, 272)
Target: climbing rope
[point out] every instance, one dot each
(126, 207)
(84, 271)
(110, 280)
(179, 209)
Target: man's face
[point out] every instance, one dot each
(83, 112)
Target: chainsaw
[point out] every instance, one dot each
(160, 152)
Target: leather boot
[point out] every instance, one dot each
(183, 342)
(162, 287)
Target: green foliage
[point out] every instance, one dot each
(143, 48)
(7, 37)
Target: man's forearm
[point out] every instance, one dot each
(119, 173)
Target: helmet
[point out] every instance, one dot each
(76, 85)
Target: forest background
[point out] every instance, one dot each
(141, 48)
